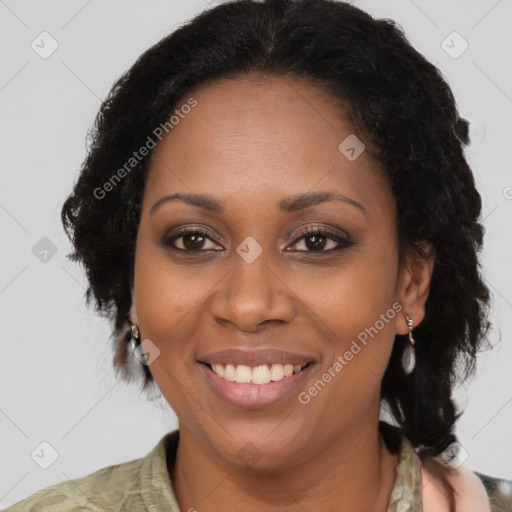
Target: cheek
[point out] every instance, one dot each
(349, 380)
(358, 311)
(351, 296)
(167, 297)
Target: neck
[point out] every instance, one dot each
(354, 473)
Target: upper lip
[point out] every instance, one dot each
(255, 357)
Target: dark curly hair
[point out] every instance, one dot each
(398, 101)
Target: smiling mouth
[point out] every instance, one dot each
(262, 374)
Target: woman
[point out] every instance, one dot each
(277, 213)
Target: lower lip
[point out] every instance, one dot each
(254, 396)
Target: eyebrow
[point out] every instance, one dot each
(288, 205)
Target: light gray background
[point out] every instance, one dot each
(57, 384)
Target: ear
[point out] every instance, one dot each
(133, 311)
(414, 285)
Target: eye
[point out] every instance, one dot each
(316, 240)
(191, 240)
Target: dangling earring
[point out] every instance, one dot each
(409, 354)
(135, 341)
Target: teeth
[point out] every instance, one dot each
(219, 370)
(276, 372)
(229, 374)
(243, 373)
(288, 370)
(262, 374)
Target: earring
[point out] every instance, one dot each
(135, 341)
(409, 353)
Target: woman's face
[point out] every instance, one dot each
(257, 149)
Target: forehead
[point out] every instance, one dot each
(254, 137)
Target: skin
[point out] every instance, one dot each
(250, 143)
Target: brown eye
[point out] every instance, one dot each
(321, 241)
(190, 241)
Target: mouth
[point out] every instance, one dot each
(255, 387)
(260, 375)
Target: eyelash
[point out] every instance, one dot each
(343, 242)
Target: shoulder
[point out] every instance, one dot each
(470, 493)
(100, 490)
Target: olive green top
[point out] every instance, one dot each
(144, 485)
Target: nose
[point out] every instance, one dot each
(252, 294)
